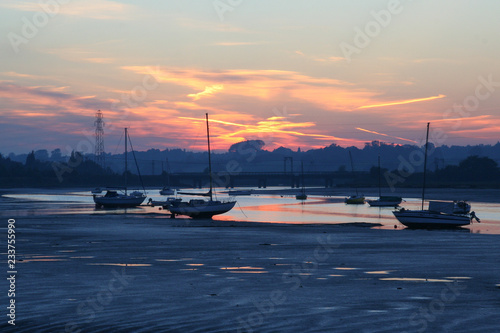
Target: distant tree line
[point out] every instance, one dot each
(447, 166)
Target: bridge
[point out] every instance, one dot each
(264, 179)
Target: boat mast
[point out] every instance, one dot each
(302, 169)
(209, 159)
(379, 178)
(352, 169)
(425, 165)
(126, 166)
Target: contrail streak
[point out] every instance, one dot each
(416, 100)
(387, 135)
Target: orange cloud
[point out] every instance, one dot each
(207, 92)
(327, 93)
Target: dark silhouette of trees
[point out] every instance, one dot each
(472, 169)
(451, 165)
(30, 161)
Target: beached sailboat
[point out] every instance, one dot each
(118, 197)
(302, 195)
(356, 199)
(199, 208)
(386, 200)
(441, 214)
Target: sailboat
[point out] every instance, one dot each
(167, 190)
(441, 214)
(302, 195)
(199, 208)
(386, 200)
(118, 197)
(354, 199)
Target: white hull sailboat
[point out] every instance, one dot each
(440, 214)
(198, 208)
(428, 219)
(119, 197)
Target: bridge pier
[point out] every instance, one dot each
(328, 182)
(230, 183)
(295, 181)
(263, 182)
(197, 182)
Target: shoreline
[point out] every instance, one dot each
(432, 193)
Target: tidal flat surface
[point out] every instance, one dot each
(139, 271)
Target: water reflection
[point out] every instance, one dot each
(244, 270)
(119, 264)
(40, 260)
(254, 208)
(379, 272)
(241, 267)
(416, 280)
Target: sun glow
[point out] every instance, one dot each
(270, 129)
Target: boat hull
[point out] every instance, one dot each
(238, 192)
(427, 219)
(119, 202)
(385, 202)
(376, 203)
(355, 200)
(201, 208)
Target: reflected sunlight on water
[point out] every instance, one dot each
(253, 208)
(118, 264)
(416, 280)
(379, 272)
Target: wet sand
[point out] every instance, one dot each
(124, 273)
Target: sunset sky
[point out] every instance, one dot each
(292, 73)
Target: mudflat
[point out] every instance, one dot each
(147, 273)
